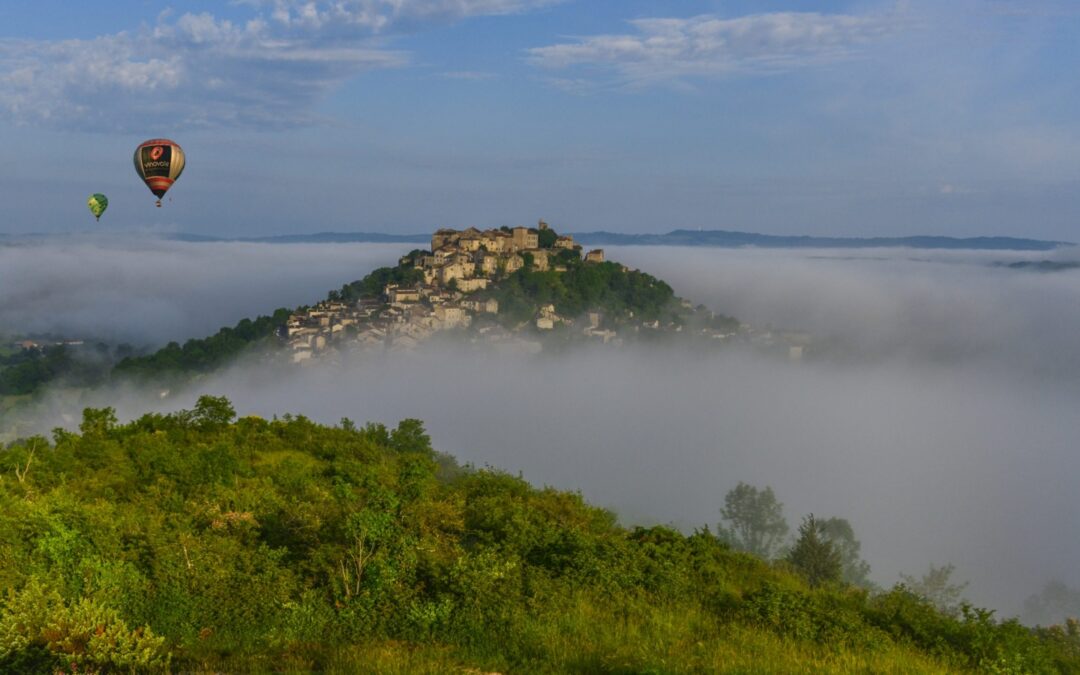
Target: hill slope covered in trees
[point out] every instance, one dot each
(200, 542)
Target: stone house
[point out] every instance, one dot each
(397, 294)
(489, 305)
(541, 259)
(457, 270)
(595, 256)
(470, 243)
(451, 316)
(471, 284)
(443, 237)
(523, 239)
(488, 263)
(496, 241)
(514, 263)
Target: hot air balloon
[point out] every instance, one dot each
(159, 163)
(97, 203)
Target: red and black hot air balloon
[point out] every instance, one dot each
(159, 162)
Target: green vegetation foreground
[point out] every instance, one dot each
(198, 542)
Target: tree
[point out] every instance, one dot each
(839, 533)
(410, 436)
(814, 556)
(1056, 603)
(97, 422)
(546, 238)
(756, 520)
(213, 412)
(936, 588)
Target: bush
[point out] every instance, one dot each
(37, 628)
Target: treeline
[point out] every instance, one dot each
(205, 354)
(199, 542)
(29, 370)
(25, 371)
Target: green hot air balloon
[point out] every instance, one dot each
(97, 203)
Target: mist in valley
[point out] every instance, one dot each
(148, 291)
(940, 420)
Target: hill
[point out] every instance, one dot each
(204, 543)
(524, 287)
(1041, 265)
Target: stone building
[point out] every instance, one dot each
(514, 263)
(524, 239)
(399, 294)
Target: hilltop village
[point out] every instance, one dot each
(457, 285)
(445, 291)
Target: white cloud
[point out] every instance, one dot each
(198, 70)
(668, 49)
(383, 15)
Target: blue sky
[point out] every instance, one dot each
(846, 118)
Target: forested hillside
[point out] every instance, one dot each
(200, 542)
(205, 354)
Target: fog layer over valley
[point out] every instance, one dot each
(941, 421)
(146, 290)
(888, 305)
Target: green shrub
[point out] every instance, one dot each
(38, 628)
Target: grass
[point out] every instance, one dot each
(586, 636)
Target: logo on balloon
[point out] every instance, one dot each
(156, 152)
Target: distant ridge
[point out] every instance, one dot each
(731, 239)
(711, 238)
(1041, 265)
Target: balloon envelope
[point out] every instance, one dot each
(159, 162)
(97, 203)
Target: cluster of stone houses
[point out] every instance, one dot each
(471, 257)
(460, 264)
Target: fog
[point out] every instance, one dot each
(148, 291)
(942, 422)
